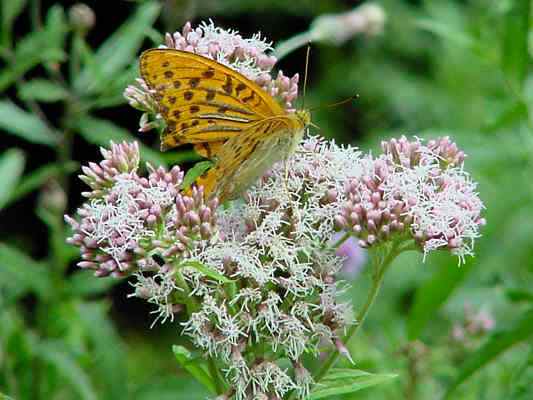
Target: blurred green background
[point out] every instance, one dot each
(457, 68)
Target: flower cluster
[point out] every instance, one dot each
(474, 324)
(418, 191)
(336, 29)
(130, 217)
(258, 279)
(248, 56)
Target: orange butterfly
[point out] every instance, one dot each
(227, 117)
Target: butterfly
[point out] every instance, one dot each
(226, 116)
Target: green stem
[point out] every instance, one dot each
(341, 240)
(215, 375)
(288, 46)
(377, 279)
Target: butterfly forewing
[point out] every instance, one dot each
(201, 100)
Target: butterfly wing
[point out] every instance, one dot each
(244, 159)
(201, 100)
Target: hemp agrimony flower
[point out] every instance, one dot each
(258, 279)
(417, 190)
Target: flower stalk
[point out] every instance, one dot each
(380, 264)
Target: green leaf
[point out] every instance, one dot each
(515, 57)
(500, 341)
(62, 251)
(342, 381)
(512, 114)
(54, 354)
(211, 273)
(170, 388)
(25, 125)
(518, 295)
(118, 51)
(194, 366)
(432, 294)
(101, 132)
(42, 90)
(84, 283)
(446, 31)
(5, 397)
(10, 10)
(194, 172)
(11, 167)
(113, 94)
(34, 49)
(20, 274)
(108, 350)
(56, 27)
(39, 177)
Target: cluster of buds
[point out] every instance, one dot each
(129, 218)
(474, 325)
(336, 29)
(415, 191)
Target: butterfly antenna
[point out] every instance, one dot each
(338, 103)
(306, 70)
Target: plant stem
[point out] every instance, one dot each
(288, 46)
(213, 370)
(341, 240)
(379, 269)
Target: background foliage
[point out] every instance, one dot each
(458, 68)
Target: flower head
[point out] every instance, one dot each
(336, 29)
(263, 269)
(417, 190)
(129, 218)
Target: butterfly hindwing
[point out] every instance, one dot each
(202, 100)
(243, 159)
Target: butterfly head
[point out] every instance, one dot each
(304, 116)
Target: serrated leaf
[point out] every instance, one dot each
(20, 274)
(204, 269)
(25, 125)
(343, 381)
(11, 167)
(195, 172)
(42, 90)
(101, 132)
(194, 366)
(432, 294)
(39, 177)
(118, 51)
(498, 342)
(66, 366)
